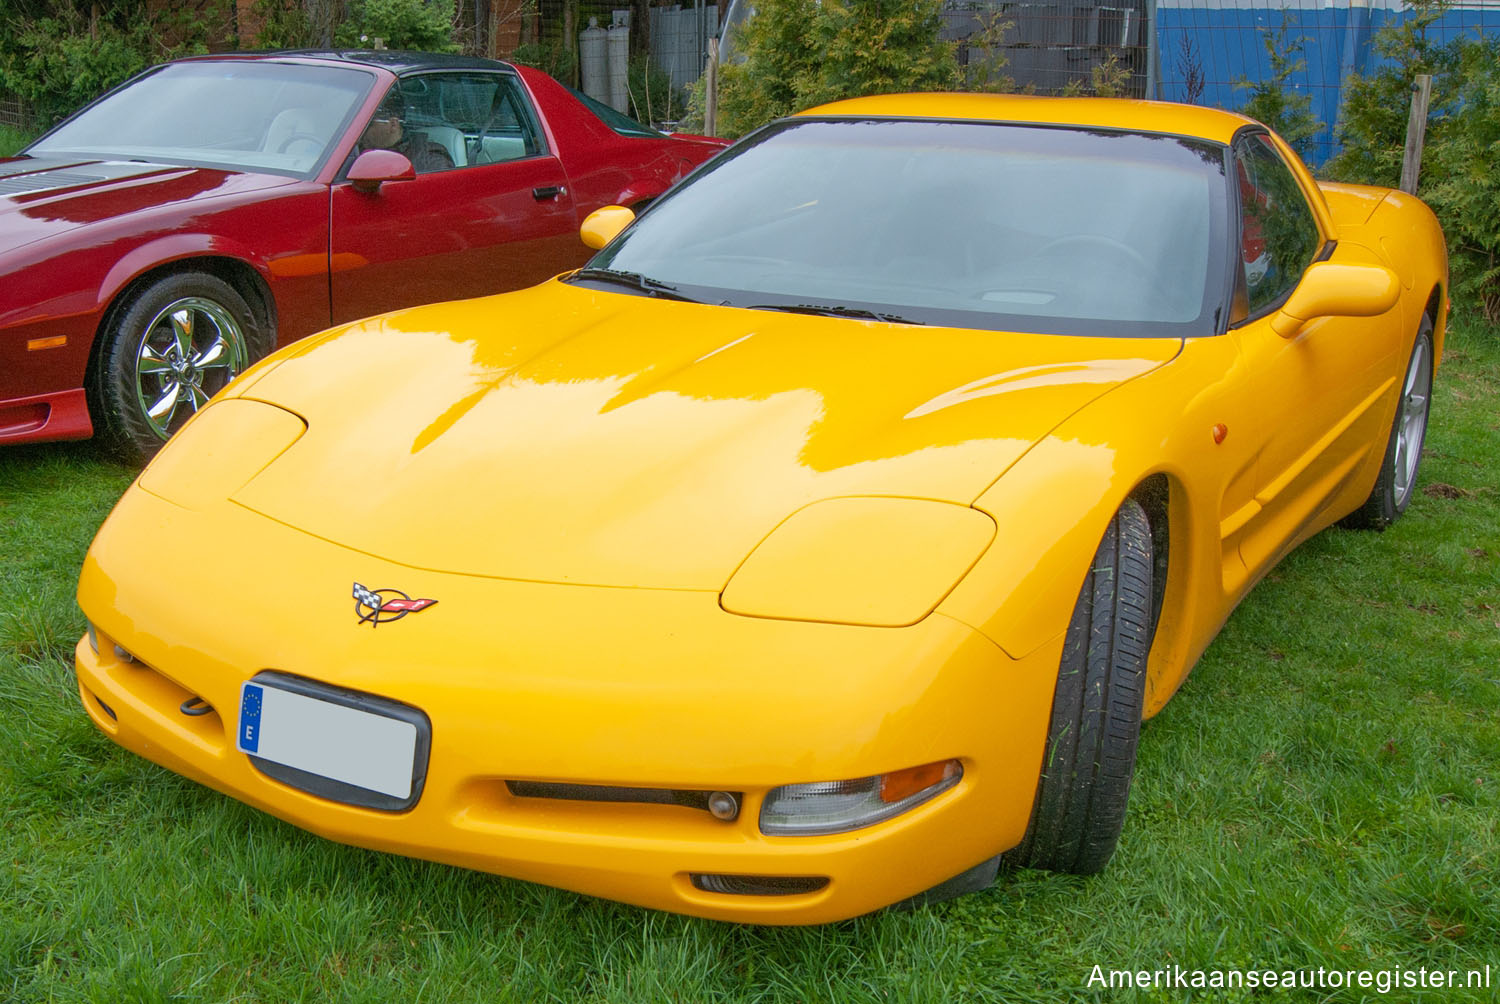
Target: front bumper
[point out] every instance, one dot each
(528, 681)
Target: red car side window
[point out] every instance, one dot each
(459, 120)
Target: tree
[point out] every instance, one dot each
(1273, 100)
(1461, 180)
(1372, 127)
(60, 54)
(801, 53)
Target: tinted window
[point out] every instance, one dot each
(617, 121)
(239, 114)
(454, 120)
(968, 224)
(1278, 237)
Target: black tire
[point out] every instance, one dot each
(1397, 482)
(142, 358)
(1096, 710)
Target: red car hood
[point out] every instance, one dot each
(45, 196)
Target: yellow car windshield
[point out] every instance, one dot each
(970, 224)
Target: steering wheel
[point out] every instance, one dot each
(299, 137)
(1099, 241)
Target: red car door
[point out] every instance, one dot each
(490, 209)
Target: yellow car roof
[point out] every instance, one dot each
(1105, 113)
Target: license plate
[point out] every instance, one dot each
(327, 740)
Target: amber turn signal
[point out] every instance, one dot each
(902, 784)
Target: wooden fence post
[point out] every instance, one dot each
(1416, 132)
(711, 90)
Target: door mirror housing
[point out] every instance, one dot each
(373, 168)
(1329, 289)
(604, 225)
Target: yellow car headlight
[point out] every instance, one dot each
(221, 449)
(883, 562)
(800, 810)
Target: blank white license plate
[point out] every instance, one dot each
(330, 740)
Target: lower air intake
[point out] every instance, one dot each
(759, 885)
(692, 799)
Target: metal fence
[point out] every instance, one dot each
(1053, 47)
(1210, 51)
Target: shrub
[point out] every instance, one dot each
(57, 58)
(1373, 131)
(57, 70)
(1460, 182)
(554, 58)
(284, 26)
(800, 53)
(1273, 102)
(424, 25)
(652, 96)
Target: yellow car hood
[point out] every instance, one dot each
(562, 434)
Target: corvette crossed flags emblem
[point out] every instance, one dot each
(378, 606)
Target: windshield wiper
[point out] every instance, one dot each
(634, 280)
(834, 310)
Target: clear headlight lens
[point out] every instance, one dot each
(840, 806)
(884, 562)
(221, 449)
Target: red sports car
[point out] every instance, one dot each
(159, 241)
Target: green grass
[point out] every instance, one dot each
(1325, 791)
(12, 139)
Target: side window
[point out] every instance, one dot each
(1278, 235)
(509, 130)
(404, 122)
(444, 121)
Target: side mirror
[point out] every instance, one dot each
(1328, 289)
(373, 168)
(604, 225)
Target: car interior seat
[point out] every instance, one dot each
(293, 130)
(451, 140)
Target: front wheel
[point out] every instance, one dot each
(1403, 450)
(1089, 758)
(169, 348)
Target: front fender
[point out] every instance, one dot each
(1051, 509)
(1052, 506)
(175, 247)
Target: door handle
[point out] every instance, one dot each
(546, 192)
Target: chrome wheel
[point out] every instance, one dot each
(1411, 423)
(191, 349)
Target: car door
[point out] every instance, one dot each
(1316, 395)
(490, 209)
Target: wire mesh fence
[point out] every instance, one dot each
(1210, 52)
(1055, 47)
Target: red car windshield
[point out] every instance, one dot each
(277, 118)
(968, 224)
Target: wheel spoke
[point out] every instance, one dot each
(199, 397)
(216, 356)
(182, 330)
(151, 361)
(161, 412)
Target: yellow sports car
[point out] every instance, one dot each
(818, 546)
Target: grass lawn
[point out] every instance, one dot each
(1324, 791)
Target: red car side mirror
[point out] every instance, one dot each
(373, 168)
